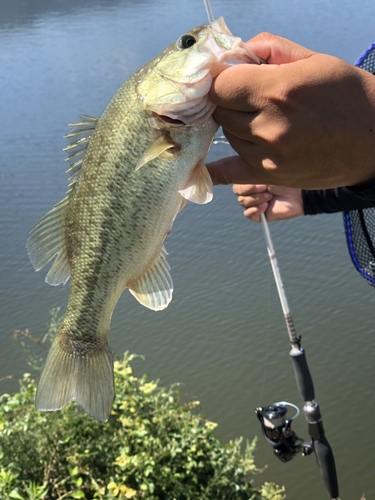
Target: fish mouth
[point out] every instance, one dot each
(168, 119)
(164, 122)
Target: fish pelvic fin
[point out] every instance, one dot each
(75, 374)
(155, 287)
(47, 238)
(198, 188)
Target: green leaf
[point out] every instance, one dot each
(73, 471)
(15, 494)
(78, 494)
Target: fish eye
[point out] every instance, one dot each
(186, 41)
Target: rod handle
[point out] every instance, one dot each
(302, 373)
(322, 449)
(326, 461)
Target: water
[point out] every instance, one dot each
(223, 337)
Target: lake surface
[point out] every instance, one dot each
(223, 336)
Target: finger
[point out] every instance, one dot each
(254, 200)
(233, 170)
(242, 86)
(277, 50)
(263, 165)
(248, 189)
(254, 213)
(238, 123)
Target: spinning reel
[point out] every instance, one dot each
(277, 431)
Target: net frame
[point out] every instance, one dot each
(360, 224)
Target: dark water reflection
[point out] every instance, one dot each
(223, 336)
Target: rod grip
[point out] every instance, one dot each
(302, 373)
(322, 449)
(327, 465)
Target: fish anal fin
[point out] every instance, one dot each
(198, 188)
(157, 148)
(86, 378)
(154, 288)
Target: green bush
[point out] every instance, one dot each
(152, 447)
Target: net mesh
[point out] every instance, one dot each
(360, 224)
(360, 235)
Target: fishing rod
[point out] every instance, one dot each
(275, 423)
(276, 427)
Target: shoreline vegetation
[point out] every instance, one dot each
(154, 445)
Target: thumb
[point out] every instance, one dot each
(277, 50)
(232, 170)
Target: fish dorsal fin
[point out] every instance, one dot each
(198, 188)
(47, 238)
(155, 149)
(154, 288)
(79, 139)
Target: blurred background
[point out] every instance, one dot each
(223, 336)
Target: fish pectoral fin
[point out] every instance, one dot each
(154, 288)
(198, 188)
(157, 148)
(86, 378)
(46, 241)
(183, 203)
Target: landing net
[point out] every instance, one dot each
(360, 224)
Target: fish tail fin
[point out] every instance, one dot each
(81, 375)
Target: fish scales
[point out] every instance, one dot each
(117, 226)
(143, 161)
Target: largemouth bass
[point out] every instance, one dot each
(132, 170)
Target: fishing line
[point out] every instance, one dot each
(210, 14)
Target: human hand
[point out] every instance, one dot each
(277, 202)
(305, 120)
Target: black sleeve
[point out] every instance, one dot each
(328, 201)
